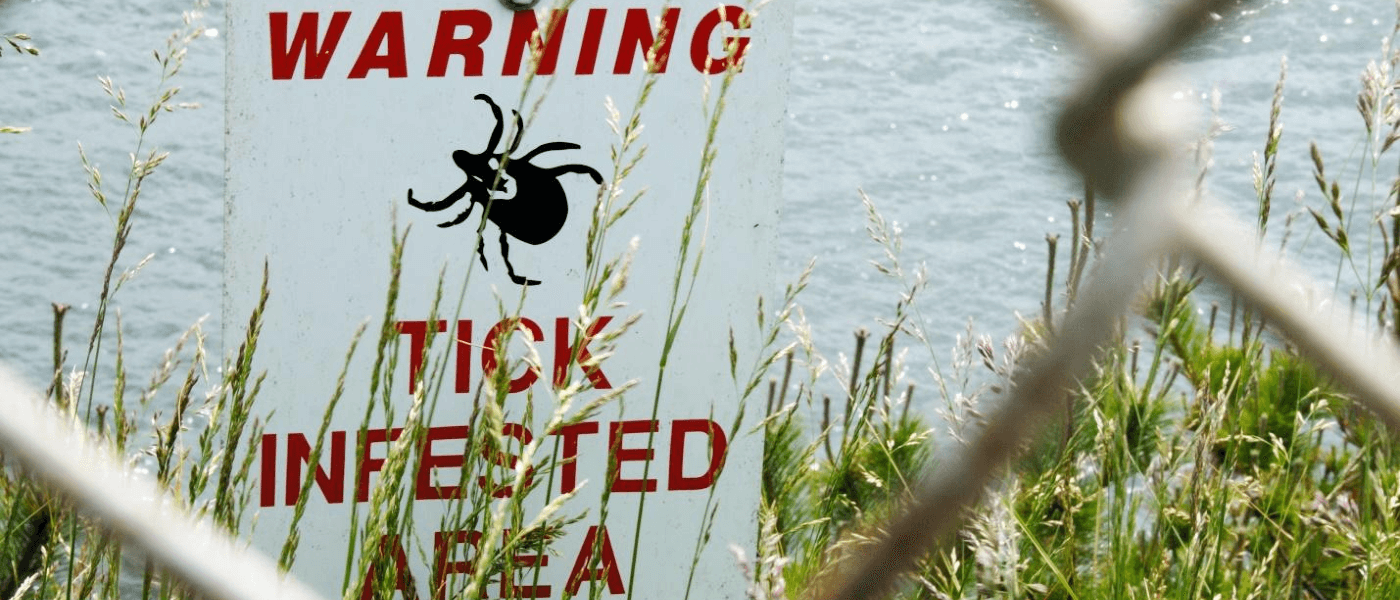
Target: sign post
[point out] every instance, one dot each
(495, 135)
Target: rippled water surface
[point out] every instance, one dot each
(938, 110)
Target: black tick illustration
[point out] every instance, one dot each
(525, 201)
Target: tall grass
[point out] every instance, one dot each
(21, 45)
(203, 452)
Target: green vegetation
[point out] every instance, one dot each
(1203, 459)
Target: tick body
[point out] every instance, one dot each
(524, 201)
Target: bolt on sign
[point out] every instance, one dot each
(494, 133)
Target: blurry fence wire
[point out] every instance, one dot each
(68, 460)
(1122, 132)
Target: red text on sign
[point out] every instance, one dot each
(471, 37)
(454, 555)
(569, 351)
(623, 454)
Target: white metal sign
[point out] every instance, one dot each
(345, 116)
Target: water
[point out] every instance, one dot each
(938, 110)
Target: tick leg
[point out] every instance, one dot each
(582, 169)
(440, 204)
(549, 147)
(495, 133)
(519, 133)
(505, 256)
(481, 250)
(466, 214)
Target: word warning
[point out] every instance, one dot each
(311, 39)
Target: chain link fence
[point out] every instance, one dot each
(1122, 132)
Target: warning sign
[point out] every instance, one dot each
(525, 151)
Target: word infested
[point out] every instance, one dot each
(623, 453)
(464, 39)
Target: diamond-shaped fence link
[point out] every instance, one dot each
(1115, 130)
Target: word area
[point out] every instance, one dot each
(449, 545)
